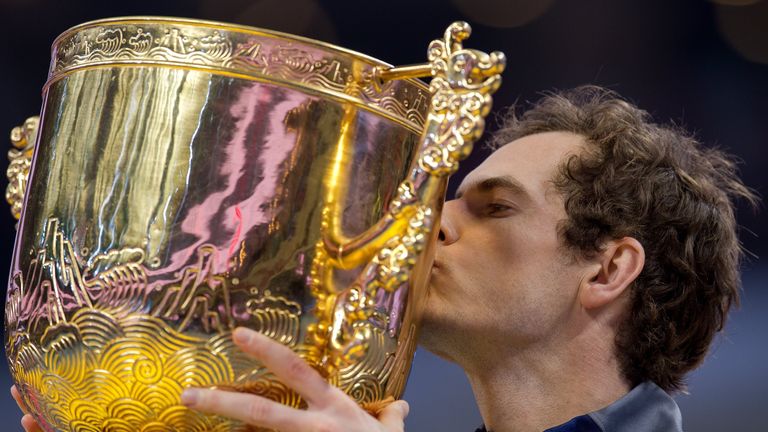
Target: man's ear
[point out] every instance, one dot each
(614, 269)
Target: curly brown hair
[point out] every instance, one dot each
(657, 184)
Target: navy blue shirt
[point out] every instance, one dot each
(646, 408)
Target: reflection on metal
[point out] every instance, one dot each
(236, 51)
(193, 177)
(742, 25)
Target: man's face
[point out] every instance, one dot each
(501, 274)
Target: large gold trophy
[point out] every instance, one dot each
(188, 177)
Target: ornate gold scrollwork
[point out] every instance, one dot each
(462, 84)
(23, 141)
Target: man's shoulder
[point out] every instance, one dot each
(646, 407)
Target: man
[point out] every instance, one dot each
(582, 270)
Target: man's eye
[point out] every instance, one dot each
(498, 210)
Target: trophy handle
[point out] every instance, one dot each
(461, 87)
(20, 157)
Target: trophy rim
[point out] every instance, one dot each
(240, 28)
(399, 99)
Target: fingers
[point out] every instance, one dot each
(27, 421)
(248, 408)
(291, 369)
(329, 408)
(17, 397)
(393, 416)
(29, 424)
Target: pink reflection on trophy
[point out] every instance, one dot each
(393, 304)
(397, 308)
(238, 231)
(241, 217)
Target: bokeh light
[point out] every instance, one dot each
(736, 2)
(503, 14)
(745, 28)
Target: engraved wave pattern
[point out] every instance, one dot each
(156, 53)
(101, 373)
(363, 380)
(395, 106)
(121, 285)
(289, 72)
(299, 72)
(276, 317)
(278, 324)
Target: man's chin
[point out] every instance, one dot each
(434, 334)
(436, 343)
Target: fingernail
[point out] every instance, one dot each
(242, 335)
(189, 397)
(28, 423)
(404, 408)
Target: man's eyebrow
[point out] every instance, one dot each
(501, 182)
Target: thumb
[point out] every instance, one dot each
(17, 397)
(393, 416)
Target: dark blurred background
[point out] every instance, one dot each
(701, 64)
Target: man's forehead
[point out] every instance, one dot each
(498, 169)
(542, 145)
(524, 165)
(485, 183)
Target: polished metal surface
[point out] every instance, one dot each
(181, 188)
(242, 52)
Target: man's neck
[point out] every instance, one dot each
(544, 386)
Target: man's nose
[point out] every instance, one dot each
(448, 230)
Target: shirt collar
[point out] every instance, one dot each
(646, 408)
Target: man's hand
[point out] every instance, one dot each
(27, 422)
(329, 409)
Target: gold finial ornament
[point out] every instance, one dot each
(462, 84)
(20, 157)
(191, 177)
